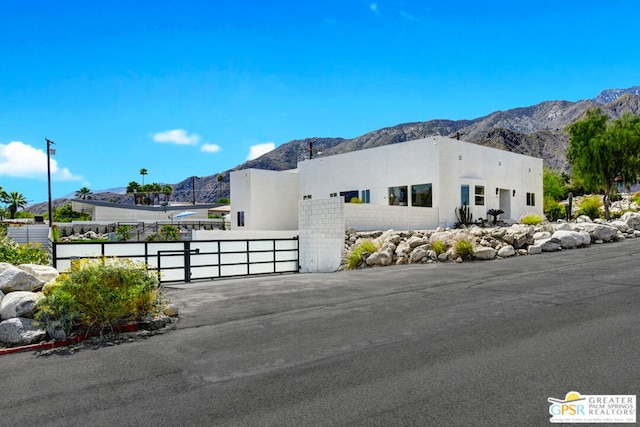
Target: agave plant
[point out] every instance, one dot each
(494, 213)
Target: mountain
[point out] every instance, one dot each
(537, 130)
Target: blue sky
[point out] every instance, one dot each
(184, 88)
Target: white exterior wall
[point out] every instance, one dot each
(108, 214)
(369, 217)
(269, 199)
(321, 226)
(463, 163)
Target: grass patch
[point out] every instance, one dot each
(531, 219)
(438, 247)
(354, 259)
(464, 248)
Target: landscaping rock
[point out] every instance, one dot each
(171, 310)
(534, 250)
(18, 304)
(572, 239)
(20, 331)
(418, 255)
(548, 245)
(596, 231)
(632, 219)
(44, 273)
(507, 251)
(14, 279)
(485, 253)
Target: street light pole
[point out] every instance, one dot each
(49, 153)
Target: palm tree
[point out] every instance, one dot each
(143, 172)
(220, 179)
(84, 193)
(3, 195)
(167, 190)
(16, 201)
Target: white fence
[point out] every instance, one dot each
(185, 261)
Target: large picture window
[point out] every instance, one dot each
(348, 195)
(421, 195)
(398, 196)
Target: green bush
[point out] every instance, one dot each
(355, 200)
(553, 210)
(464, 248)
(16, 254)
(122, 232)
(169, 232)
(590, 206)
(355, 256)
(99, 292)
(438, 247)
(636, 198)
(531, 219)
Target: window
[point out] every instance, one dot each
(348, 195)
(479, 195)
(464, 195)
(365, 196)
(306, 197)
(398, 196)
(421, 195)
(333, 195)
(531, 199)
(240, 218)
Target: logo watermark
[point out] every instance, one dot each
(577, 408)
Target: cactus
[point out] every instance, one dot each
(568, 207)
(464, 215)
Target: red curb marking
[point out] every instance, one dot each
(129, 327)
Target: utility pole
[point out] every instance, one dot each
(193, 190)
(50, 151)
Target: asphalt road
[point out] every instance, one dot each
(472, 344)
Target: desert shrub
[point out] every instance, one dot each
(123, 232)
(636, 198)
(531, 219)
(553, 210)
(355, 255)
(169, 232)
(355, 200)
(16, 253)
(439, 247)
(99, 292)
(590, 206)
(463, 248)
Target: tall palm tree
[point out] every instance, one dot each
(143, 172)
(3, 195)
(220, 179)
(84, 193)
(16, 201)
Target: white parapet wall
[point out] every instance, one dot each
(242, 234)
(321, 225)
(368, 217)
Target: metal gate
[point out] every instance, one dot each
(186, 261)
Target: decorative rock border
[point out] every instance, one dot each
(417, 246)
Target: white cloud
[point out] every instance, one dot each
(19, 160)
(177, 136)
(210, 148)
(259, 149)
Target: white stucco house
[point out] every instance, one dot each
(410, 185)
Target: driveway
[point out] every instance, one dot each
(480, 343)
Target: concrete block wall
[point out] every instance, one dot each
(369, 217)
(321, 226)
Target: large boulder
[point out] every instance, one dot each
(14, 279)
(44, 273)
(20, 331)
(597, 231)
(545, 245)
(485, 253)
(632, 219)
(18, 304)
(572, 239)
(506, 251)
(418, 254)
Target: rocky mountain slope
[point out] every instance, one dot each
(537, 130)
